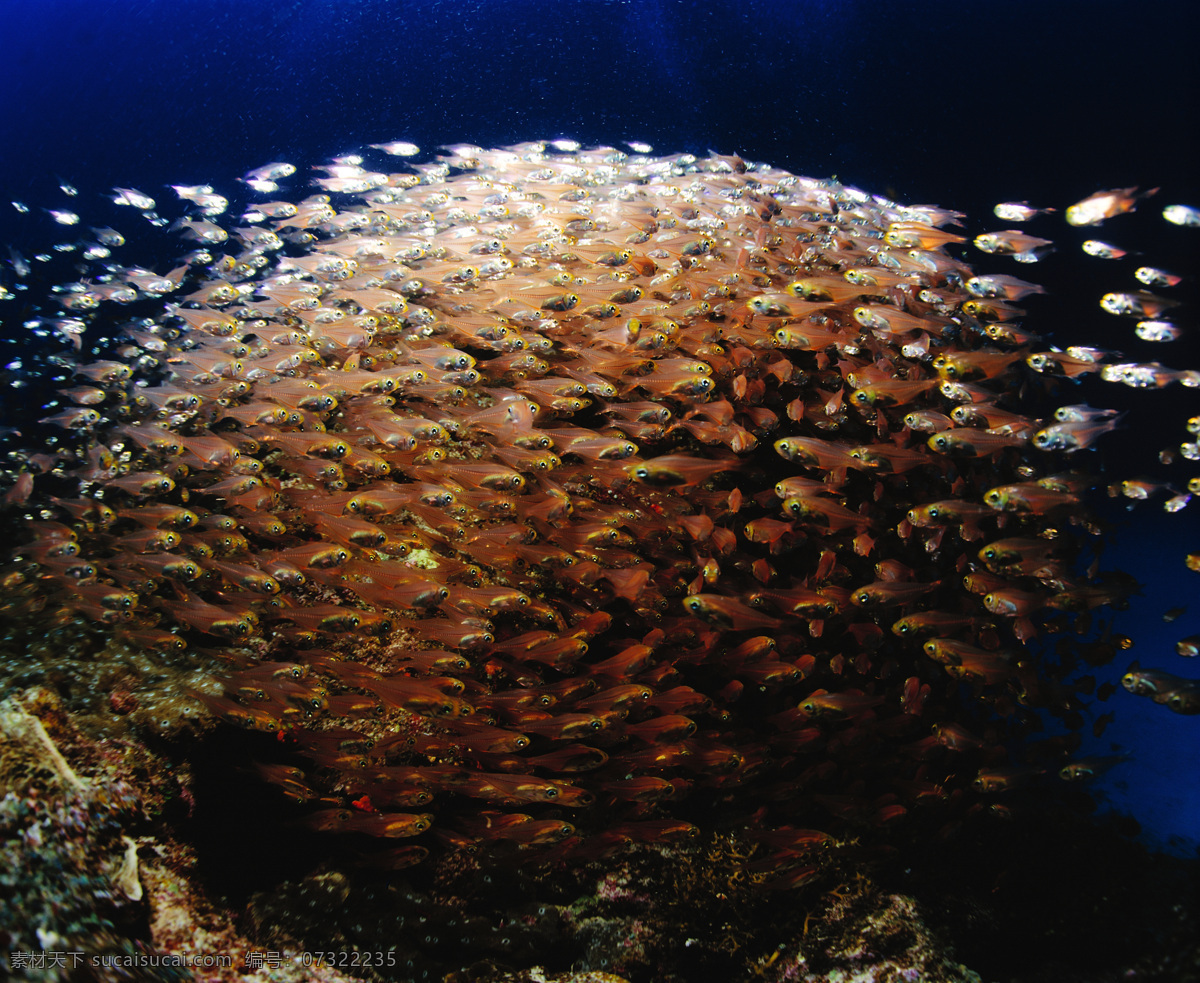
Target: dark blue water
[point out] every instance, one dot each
(959, 104)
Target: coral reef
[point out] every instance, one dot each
(1010, 900)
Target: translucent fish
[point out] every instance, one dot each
(1139, 304)
(1182, 215)
(1018, 211)
(1157, 331)
(1177, 503)
(1102, 205)
(1102, 250)
(133, 198)
(203, 196)
(1153, 277)
(109, 237)
(397, 148)
(270, 172)
(1010, 243)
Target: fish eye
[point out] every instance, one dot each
(941, 442)
(934, 512)
(863, 598)
(989, 554)
(550, 793)
(862, 397)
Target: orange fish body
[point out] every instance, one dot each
(1101, 205)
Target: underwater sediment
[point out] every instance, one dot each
(545, 504)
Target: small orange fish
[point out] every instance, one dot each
(727, 612)
(1151, 682)
(673, 470)
(1083, 769)
(929, 622)
(1003, 779)
(1013, 603)
(1027, 496)
(884, 593)
(814, 452)
(847, 703)
(1071, 437)
(1101, 205)
(973, 443)
(1010, 243)
(950, 651)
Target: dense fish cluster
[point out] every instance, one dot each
(552, 498)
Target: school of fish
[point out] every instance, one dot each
(549, 498)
